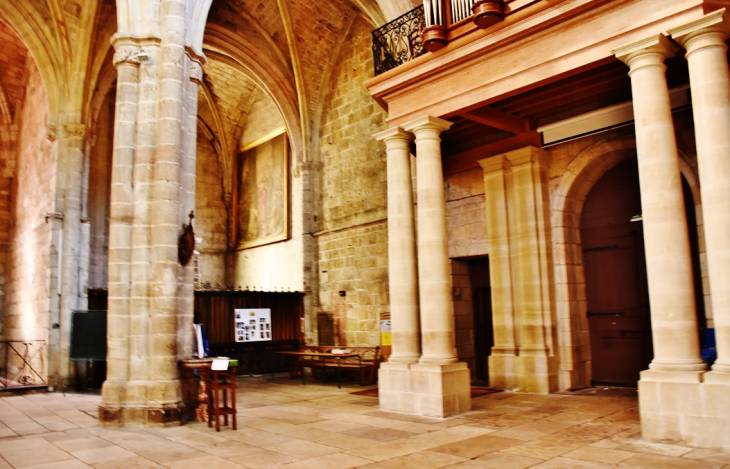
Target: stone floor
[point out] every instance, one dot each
(285, 424)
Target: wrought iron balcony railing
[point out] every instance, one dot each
(427, 28)
(399, 41)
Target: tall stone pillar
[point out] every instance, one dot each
(438, 385)
(520, 265)
(704, 41)
(153, 190)
(434, 272)
(402, 269)
(504, 351)
(668, 261)
(120, 232)
(72, 155)
(670, 389)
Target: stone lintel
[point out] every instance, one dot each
(713, 22)
(427, 122)
(658, 43)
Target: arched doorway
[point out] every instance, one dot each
(615, 271)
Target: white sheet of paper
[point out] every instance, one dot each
(219, 364)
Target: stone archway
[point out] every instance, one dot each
(567, 202)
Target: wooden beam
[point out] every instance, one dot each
(469, 159)
(498, 119)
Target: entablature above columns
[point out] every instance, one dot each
(524, 54)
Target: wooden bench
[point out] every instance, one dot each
(364, 360)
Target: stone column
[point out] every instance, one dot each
(668, 262)
(121, 213)
(166, 212)
(402, 270)
(434, 272)
(71, 164)
(704, 41)
(501, 360)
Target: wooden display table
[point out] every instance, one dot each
(213, 394)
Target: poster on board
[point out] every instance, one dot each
(253, 325)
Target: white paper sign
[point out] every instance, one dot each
(219, 364)
(253, 325)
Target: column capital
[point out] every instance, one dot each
(75, 130)
(427, 123)
(126, 50)
(523, 155)
(710, 30)
(494, 163)
(652, 48)
(196, 72)
(393, 134)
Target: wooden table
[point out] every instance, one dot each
(203, 367)
(324, 356)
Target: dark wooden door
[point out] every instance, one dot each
(482, 308)
(615, 270)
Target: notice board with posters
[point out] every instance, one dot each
(253, 324)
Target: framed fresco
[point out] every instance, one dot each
(263, 191)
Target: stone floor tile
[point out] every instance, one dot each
(389, 450)
(565, 463)
(109, 453)
(131, 463)
(335, 426)
(347, 442)
(421, 460)
(303, 449)
(78, 444)
(604, 455)
(163, 452)
(204, 462)
(24, 443)
(640, 446)
(711, 455)
(478, 446)
(379, 434)
(532, 430)
(541, 449)
(313, 434)
(330, 461)
(70, 464)
(263, 459)
(657, 461)
(26, 457)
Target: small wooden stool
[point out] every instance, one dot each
(218, 403)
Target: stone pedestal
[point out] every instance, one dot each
(427, 390)
(149, 403)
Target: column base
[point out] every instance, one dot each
(141, 403)
(685, 407)
(425, 390)
(524, 373)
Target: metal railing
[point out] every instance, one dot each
(23, 363)
(399, 41)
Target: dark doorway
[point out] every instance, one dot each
(482, 308)
(615, 270)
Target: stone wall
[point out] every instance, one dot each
(99, 198)
(211, 215)
(28, 289)
(352, 197)
(465, 216)
(278, 266)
